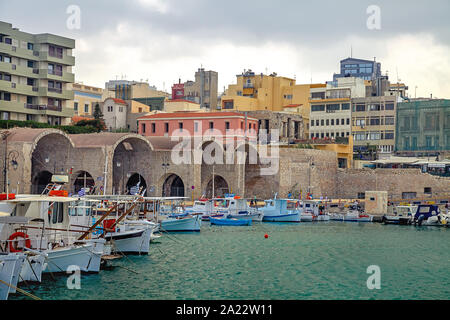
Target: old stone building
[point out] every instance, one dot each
(115, 162)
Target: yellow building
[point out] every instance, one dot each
(254, 92)
(182, 105)
(344, 151)
(86, 97)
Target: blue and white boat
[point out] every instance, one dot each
(281, 210)
(230, 222)
(237, 208)
(181, 223)
(429, 215)
(207, 208)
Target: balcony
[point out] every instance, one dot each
(43, 107)
(64, 59)
(56, 93)
(57, 75)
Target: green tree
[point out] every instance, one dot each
(98, 115)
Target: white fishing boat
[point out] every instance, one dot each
(403, 215)
(181, 223)
(281, 210)
(237, 208)
(313, 210)
(207, 208)
(123, 234)
(10, 266)
(41, 223)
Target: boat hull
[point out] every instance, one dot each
(295, 217)
(131, 242)
(32, 269)
(253, 216)
(87, 257)
(230, 222)
(192, 224)
(10, 266)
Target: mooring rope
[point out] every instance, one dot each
(20, 290)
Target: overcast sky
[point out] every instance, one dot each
(163, 41)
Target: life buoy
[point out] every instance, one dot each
(18, 235)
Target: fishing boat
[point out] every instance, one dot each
(313, 210)
(182, 223)
(10, 266)
(237, 208)
(430, 215)
(230, 222)
(207, 208)
(124, 234)
(173, 217)
(281, 210)
(402, 215)
(41, 223)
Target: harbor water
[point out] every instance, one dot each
(305, 261)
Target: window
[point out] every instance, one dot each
(332, 107)
(389, 121)
(227, 125)
(143, 128)
(211, 125)
(120, 109)
(228, 104)
(180, 126)
(360, 108)
(320, 107)
(328, 122)
(30, 46)
(427, 190)
(8, 40)
(7, 59)
(29, 117)
(348, 121)
(195, 126)
(30, 64)
(322, 122)
(312, 123)
(7, 77)
(166, 127)
(389, 106)
(54, 51)
(346, 106)
(332, 122)
(75, 106)
(374, 107)
(7, 96)
(86, 108)
(361, 195)
(242, 125)
(5, 116)
(337, 122)
(153, 127)
(389, 135)
(375, 121)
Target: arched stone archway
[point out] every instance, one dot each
(40, 181)
(221, 187)
(173, 186)
(137, 182)
(130, 163)
(52, 153)
(83, 179)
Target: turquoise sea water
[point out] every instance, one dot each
(324, 260)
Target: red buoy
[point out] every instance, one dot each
(266, 236)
